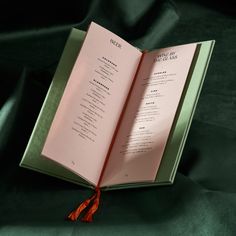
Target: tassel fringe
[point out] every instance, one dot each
(91, 204)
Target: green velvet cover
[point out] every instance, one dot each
(202, 201)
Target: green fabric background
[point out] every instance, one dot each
(203, 199)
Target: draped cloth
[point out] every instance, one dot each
(202, 200)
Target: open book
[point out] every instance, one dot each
(114, 116)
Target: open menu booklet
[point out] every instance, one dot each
(114, 116)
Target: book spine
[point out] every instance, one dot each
(119, 121)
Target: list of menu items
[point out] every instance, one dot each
(149, 112)
(93, 103)
(88, 113)
(147, 121)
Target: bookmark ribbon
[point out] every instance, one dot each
(91, 204)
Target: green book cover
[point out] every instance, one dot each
(32, 158)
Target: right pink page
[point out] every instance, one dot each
(150, 112)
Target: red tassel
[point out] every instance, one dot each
(88, 217)
(73, 216)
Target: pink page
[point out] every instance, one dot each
(87, 115)
(144, 130)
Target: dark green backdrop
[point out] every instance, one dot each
(203, 199)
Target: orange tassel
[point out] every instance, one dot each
(88, 217)
(73, 216)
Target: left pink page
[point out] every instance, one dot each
(86, 118)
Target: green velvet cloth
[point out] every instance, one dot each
(202, 200)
